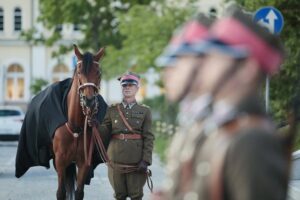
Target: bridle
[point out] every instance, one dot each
(86, 110)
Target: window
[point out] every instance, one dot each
(15, 82)
(58, 28)
(76, 27)
(1, 19)
(60, 72)
(18, 19)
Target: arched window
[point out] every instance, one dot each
(60, 72)
(15, 82)
(18, 19)
(1, 19)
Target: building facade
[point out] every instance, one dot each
(21, 62)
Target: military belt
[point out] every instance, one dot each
(123, 136)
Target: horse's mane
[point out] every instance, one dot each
(87, 63)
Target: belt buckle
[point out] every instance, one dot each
(122, 136)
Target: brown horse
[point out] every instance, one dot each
(70, 145)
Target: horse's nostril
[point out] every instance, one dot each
(90, 102)
(90, 98)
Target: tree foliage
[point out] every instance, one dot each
(96, 19)
(165, 110)
(146, 31)
(134, 32)
(38, 85)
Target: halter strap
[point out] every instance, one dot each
(80, 61)
(75, 135)
(88, 85)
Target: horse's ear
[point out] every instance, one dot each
(99, 54)
(77, 52)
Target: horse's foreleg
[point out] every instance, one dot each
(66, 173)
(81, 178)
(61, 190)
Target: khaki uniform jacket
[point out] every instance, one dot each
(254, 165)
(129, 151)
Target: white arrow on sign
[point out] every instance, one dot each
(271, 17)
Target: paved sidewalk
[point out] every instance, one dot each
(40, 184)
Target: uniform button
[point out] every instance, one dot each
(125, 129)
(127, 118)
(127, 113)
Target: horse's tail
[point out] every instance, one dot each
(70, 178)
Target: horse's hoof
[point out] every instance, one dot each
(79, 195)
(60, 196)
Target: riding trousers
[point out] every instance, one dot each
(127, 184)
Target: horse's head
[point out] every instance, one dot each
(89, 76)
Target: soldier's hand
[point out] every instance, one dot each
(142, 166)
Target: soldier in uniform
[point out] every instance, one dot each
(182, 65)
(182, 70)
(234, 153)
(130, 149)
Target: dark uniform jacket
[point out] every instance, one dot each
(129, 151)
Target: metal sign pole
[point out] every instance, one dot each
(267, 93)
(272, 19)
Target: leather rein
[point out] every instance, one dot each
(96, 139)
(88, 113)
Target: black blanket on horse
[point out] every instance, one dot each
(46, 112)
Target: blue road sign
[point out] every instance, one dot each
(271, 18)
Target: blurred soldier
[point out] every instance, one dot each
(130, 149)
(182, 62)
(182, 67)
(234, 154)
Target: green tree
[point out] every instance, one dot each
(38, 85)
(134, 32)
(146, 31)
(97, 20)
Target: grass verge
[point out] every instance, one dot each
(161, 144)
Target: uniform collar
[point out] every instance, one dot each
(222, 113)
(194, 109)
(130, 105)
